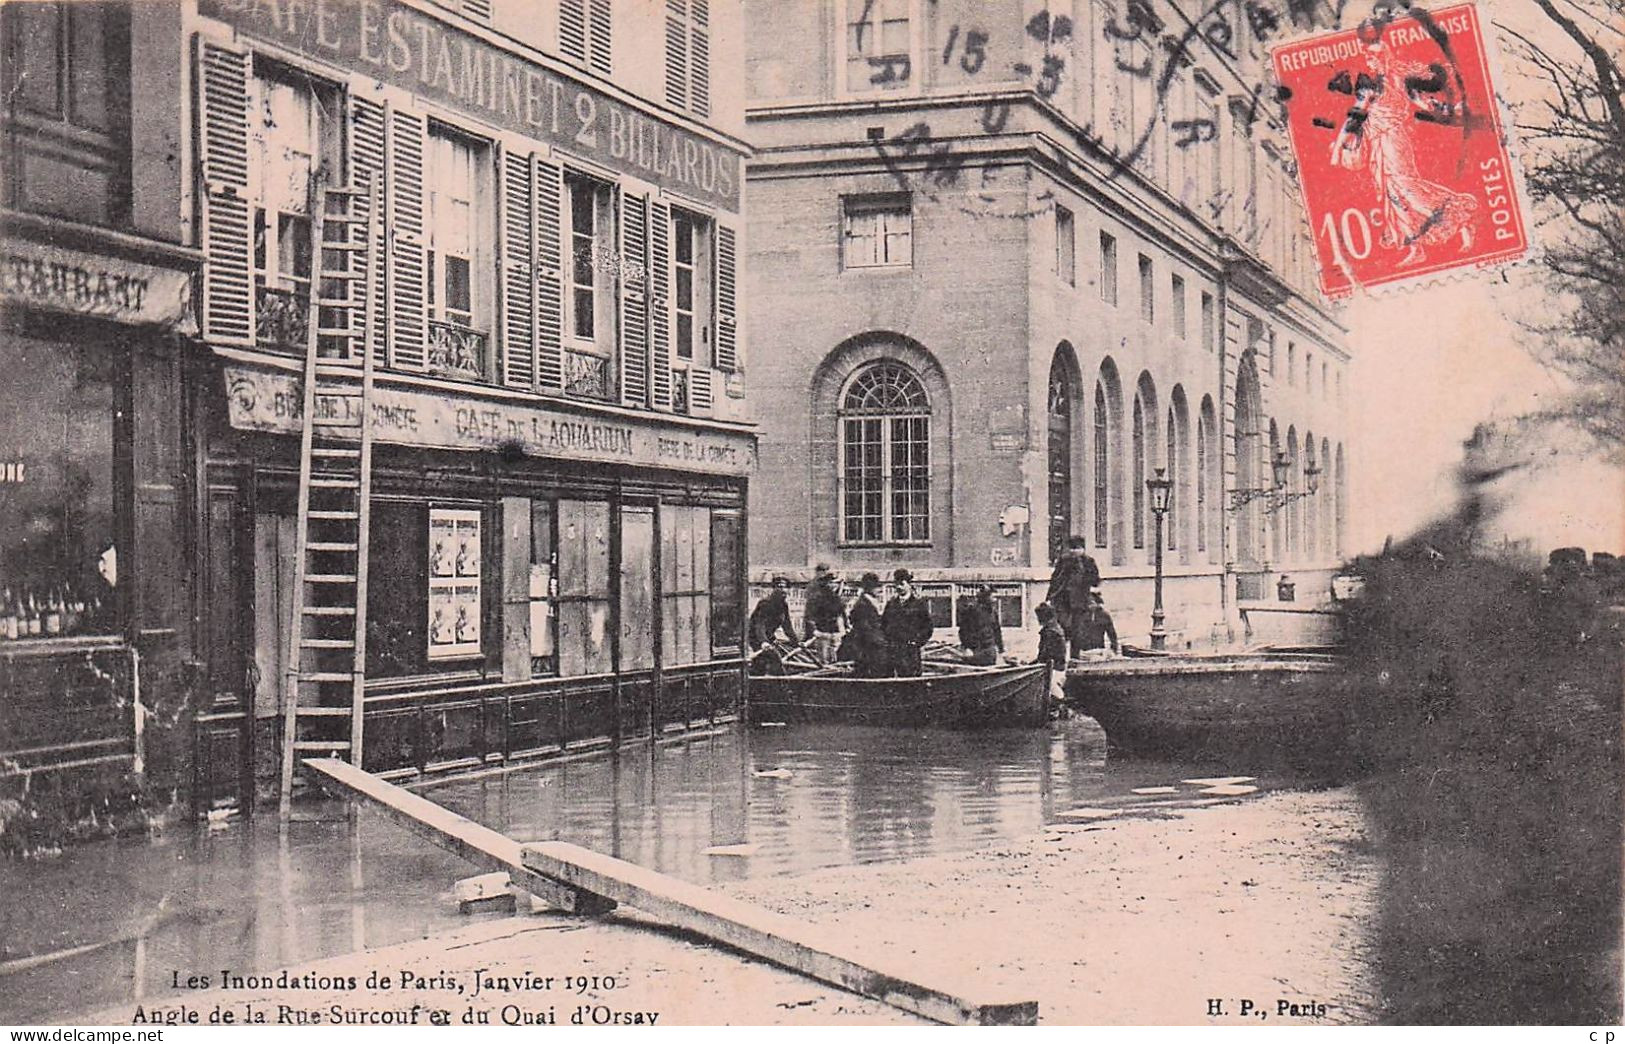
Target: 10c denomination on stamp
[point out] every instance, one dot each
(1401, 159)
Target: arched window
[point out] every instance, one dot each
(1137, 474)
(885, 420)
(1102, 480)
(1060, 458)
(1201, 483)
(1174, 477)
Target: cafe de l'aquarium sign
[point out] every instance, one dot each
(404, 47)
(258, 400)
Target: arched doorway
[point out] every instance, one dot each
(1062, 406)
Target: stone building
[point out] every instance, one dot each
(1009, 259)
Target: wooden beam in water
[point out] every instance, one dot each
(457, 834)
(774, 937)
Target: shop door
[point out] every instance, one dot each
(637, 617)
(223, 771)
(275, 546)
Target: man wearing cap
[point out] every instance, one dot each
(825, 615)
(1075, 576)
(871, 655)
(908, 626)
(772, 615)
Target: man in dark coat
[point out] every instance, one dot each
(907, 622)
(871, 654)
(825, 615)
(771, 616)
(979, 630)
(1095, 628)
(1075, 576)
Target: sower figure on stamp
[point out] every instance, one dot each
(871, 656)
(1075, 576)
(825, 615)
(908, 626)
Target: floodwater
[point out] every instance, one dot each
(112, 922)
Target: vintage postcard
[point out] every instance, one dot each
(568, 513)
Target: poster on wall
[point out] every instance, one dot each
(454, 584)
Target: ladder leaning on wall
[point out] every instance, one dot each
(324, 690)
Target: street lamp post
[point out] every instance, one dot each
(1161, 488)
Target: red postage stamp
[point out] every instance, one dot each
(1404, 169)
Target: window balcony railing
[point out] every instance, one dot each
(458, 352)
(586, 376)
(281, 319)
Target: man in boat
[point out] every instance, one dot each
(1095, 632)
(907, 622)
(979, 630)
(1052, 649)
(1075, 576)
(871, 653)
(772, 616)
(825, 615)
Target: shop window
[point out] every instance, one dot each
(65, 148)
(454, 584)
(583, 584)
(59, 559)
(544, 589)
(691, 300)
(397, 609)
(295, 137)
(878, 232)
(727, 572)
(685, 592)
(879, 45)
(939, 602)
(460, 228)
(885, 476)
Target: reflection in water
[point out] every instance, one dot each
(116, 921)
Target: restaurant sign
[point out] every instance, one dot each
(65, 280)
(274, 402)
(397, 44)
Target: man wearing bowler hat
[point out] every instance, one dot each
(871, 655)
(907, 622)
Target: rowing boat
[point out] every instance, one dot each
(947, 695)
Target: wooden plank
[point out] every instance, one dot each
(458, 835)
(816, 953)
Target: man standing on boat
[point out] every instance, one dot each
(871, 654)
(1075, 576)
(907, 622)
(825, 615)
(979, 630)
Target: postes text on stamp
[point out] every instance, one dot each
(1399, 147)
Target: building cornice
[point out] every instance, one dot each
(98, 240)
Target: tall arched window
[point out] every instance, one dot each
(885, 422)
(1201, 483)
(1102, 476)
(1137, 474)
(1173, 462)
(1060, 457)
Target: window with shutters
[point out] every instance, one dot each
(878, 232)
(591, 297)
(688, 55)
(885, 477)
(692, 305)
(295, 133)
(879, 41)
(584, 33)
(460, 228)
(65, 149)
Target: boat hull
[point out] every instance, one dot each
(1294, 712)
(1010, 697)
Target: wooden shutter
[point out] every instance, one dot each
(228, 289)
(699, 59)
(518, 271)
(599, 28)
(727, 353)
(549, 180)
(367, 149)
(677, 53)
(573, 29)
(408, 277)
(659, 316)
(699, 389)
(634, 299)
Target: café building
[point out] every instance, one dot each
(561, 442)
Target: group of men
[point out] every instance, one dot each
(881, 637)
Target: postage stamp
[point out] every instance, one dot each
(1404, 169)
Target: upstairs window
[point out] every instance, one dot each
(688, 54)
(879, 45)
(592, 264)
(1066, 247)
(1108, 268)
(879, 232)
(1209, 321)
(1176, 298)
(691, 297)
(584, 32)
(1148, 291)
(459, 228)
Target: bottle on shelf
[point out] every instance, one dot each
(8, 616)
(51, 619)
(33, 616)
